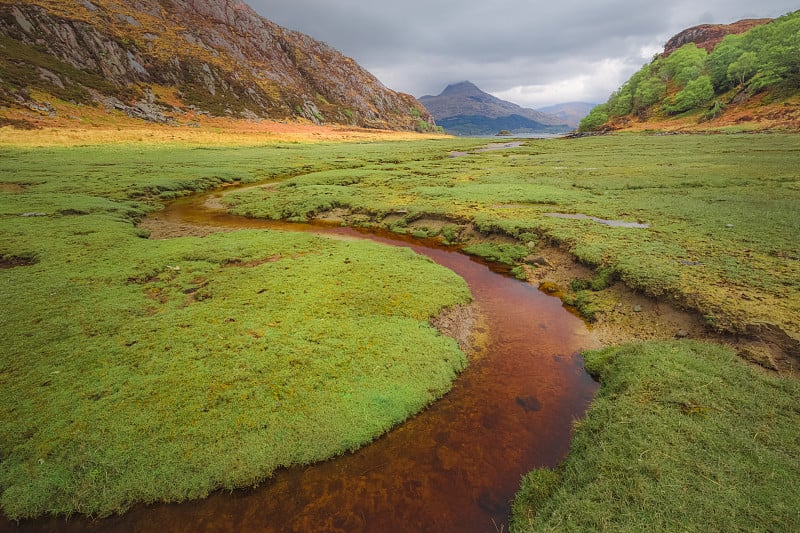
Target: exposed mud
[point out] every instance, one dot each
(467, 325)
(13, 261)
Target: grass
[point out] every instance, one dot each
(138, 371)
(683, 436)
(722, 236)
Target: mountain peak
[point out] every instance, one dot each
(468, 110)
(462, 87)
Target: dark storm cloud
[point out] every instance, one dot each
(533, 53)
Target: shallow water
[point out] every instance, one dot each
(612, 223)
(454, 467)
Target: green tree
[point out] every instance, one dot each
(743, 68)
(684, 64)
(595, 119)
(726, 52)
(620, 103)
(696, 93)
(649, 92)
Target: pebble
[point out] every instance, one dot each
(637, 308)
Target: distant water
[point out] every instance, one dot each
(519, 136)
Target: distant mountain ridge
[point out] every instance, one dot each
(570, 112)
(464, 109)
(154, 59)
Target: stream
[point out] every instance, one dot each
(454, 467)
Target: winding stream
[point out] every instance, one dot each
(454, 467)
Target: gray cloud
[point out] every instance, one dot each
(533, 53)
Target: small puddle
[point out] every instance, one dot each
(454, 467)
(612, 223)
(499, 146)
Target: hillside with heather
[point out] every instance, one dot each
(172, 62)
(746, 80)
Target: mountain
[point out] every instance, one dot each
(741, 76)
(162, 59)
(571, 112)
(464, 109)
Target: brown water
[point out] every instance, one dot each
(454, 467)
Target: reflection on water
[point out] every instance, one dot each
(454, 467)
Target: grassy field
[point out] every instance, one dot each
(721, 210)
(138, 370)
(683, 436)
(132, 369)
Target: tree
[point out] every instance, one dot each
(648, 92)
(684, 64)
(696, 93)
(726, 52)
(595, 119)
(743, 68)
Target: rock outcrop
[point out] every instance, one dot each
(707, 36)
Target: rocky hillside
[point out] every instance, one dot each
(708, 36)
(714, 77)
(464, 109)
(157, 59)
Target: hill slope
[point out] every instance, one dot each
(571, 112)
(748, 81)
(464, 109)
(158, 59)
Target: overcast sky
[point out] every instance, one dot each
(533, 53)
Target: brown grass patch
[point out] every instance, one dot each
(13, 261)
